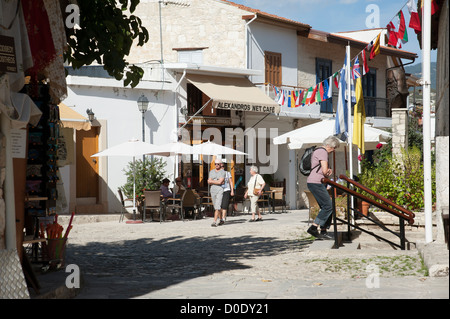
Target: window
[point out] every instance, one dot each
(190, 56)
(273, 68)
(323, 72)
(369, 84)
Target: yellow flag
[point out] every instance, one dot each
(359, 117)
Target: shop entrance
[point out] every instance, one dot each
(87, 166)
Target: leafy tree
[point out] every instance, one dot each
(105, 36)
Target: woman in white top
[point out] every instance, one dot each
(255, 182)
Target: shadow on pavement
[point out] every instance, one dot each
(127, 269)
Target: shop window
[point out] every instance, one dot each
(273, 68)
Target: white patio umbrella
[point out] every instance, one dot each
(315, 134)
(210, 148)
(172, 149)
(132, 148)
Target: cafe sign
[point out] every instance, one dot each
(8, 61)
(245, 107)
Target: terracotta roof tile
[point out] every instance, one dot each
(267, 15)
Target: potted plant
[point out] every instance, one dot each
(145, 175)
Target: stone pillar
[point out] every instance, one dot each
(2, 200)
(442, 183)
(399, 131)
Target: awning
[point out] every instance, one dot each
(229, 93)
(72, 119)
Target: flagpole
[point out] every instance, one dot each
(349, 111)
(349, 119)
(426, 50)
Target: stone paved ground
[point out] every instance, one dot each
(269, 259)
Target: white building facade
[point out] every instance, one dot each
(220, 41)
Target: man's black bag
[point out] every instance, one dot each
(305, 161)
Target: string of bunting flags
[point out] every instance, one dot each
(295, 98)
(397, 36)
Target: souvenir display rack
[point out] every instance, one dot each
(42, 170)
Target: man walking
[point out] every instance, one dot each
(215, 180)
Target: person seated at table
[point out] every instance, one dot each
(165, 192)
(179, 188)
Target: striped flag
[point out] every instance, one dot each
(365, 66)
(328, 88)
(281, 98)
(299, 98)
(319, 96)
(336, 80)
(375, 50)
(308, 95)
(313, 95)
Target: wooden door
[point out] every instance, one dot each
(87, 166)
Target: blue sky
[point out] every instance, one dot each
(338, 15)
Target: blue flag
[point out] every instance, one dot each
(341, 125)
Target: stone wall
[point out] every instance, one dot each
(2, 181)
(216, 27)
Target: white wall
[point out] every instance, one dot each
(117, 107)
(263, 37)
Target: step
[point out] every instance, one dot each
(89, 209)
(320, 245)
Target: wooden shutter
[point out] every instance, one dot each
(273, 68)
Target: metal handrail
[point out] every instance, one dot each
(378, 196)
(400, 212)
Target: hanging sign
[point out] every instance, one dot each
(8, 61)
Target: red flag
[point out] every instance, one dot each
(299, 100)
(414, 22)
(365, 66)
(434, 6)
(392, 34)
(313, 96)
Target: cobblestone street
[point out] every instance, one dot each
(268, 259)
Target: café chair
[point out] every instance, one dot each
(124, 203)
(152, 202)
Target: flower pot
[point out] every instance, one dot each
(365, 208)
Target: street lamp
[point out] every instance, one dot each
(143, 106)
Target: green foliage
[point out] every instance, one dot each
(148, 175)
(106, 37)
(399, 181)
